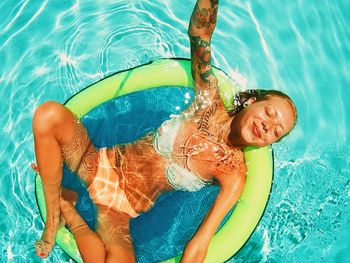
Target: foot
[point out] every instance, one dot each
(47, 241)
(43, 247)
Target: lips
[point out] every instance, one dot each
(256, 130)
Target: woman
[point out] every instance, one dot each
(185, 153)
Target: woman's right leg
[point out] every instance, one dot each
(114, 228)
(55, 127)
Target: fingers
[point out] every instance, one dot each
(34, 167)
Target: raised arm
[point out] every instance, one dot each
(201, 27)
(200, 30)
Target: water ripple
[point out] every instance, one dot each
(50, 50)
(18, 31)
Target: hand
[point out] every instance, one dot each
(35, 167)
(195, 251)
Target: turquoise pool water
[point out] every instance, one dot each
(51, 50)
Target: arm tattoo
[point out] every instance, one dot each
(204, 17)
(201, 61)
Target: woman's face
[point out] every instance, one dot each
(262, 122)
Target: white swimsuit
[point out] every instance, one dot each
(178, 177)
(106, 188)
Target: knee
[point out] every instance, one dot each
(119, 254)
(47, 116)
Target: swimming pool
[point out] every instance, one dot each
(49, 51)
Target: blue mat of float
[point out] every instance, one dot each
(161, 232)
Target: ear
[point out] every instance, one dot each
(250, 101)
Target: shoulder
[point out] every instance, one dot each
(208, 104)
(231, 167)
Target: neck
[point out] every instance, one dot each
(231, 137)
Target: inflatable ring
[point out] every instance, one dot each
(259, 161)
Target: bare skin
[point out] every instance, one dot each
(208, 143)
(47, 140)
(134, 168)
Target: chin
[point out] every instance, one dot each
(246, 140)
(262, 144)
(252, 142)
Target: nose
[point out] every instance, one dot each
(267, 125)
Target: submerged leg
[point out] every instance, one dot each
(113, 228)
(53, 126)
(90, 246)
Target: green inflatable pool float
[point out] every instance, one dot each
(259, 161)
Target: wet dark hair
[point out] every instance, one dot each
(260, 94)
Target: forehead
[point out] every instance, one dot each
(285, 111)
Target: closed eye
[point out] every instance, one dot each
(278, 132)
(270, 111)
